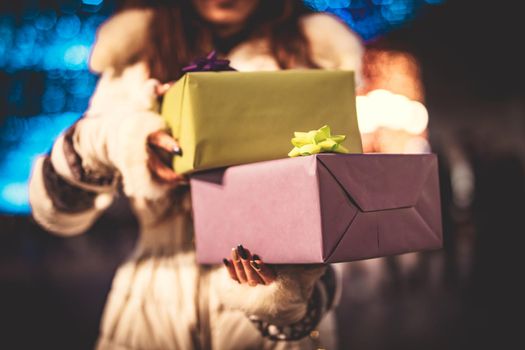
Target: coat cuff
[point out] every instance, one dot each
(64, 196)
(68, 163)
(321, 300)
(295, 331)
(60, 207)
(283, 302)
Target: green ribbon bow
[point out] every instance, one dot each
(317, 141)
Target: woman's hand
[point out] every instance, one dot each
(161, 89)
(284, 297)
(244, 267)
(161, 150)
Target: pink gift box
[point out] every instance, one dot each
(324, 208)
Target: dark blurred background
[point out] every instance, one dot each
(465, 296)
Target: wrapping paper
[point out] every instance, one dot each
(229, 118)
(323, 208)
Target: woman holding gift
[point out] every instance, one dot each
(161, 298)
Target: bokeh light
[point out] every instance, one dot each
(372, 18)
(46, 20)
(92, 2)
(382, 108)
(68, 26)
(43, 57)
(76, 57)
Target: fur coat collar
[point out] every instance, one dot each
(333, 45)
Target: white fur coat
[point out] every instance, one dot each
(160, 298)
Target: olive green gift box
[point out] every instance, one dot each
(229, 118)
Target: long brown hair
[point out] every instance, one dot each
(178, 35)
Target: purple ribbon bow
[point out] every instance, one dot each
(208, 63)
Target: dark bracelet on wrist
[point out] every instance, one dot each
(74, 162)
(320, 302)
(299, 329)
(64, 196)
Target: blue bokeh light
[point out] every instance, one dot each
(92, 2)
(25, 139)
(68, 26)
(51, 48)
(54, 99)
(76, 57)
(46, 20)
(15, 194)
(372, 18)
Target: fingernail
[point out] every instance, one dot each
(176, 151)
(235, 255)
(225, 262)
(242, 252)
(256, 266)
(256, 257)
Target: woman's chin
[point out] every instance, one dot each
(225, 12)
(224, 18)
